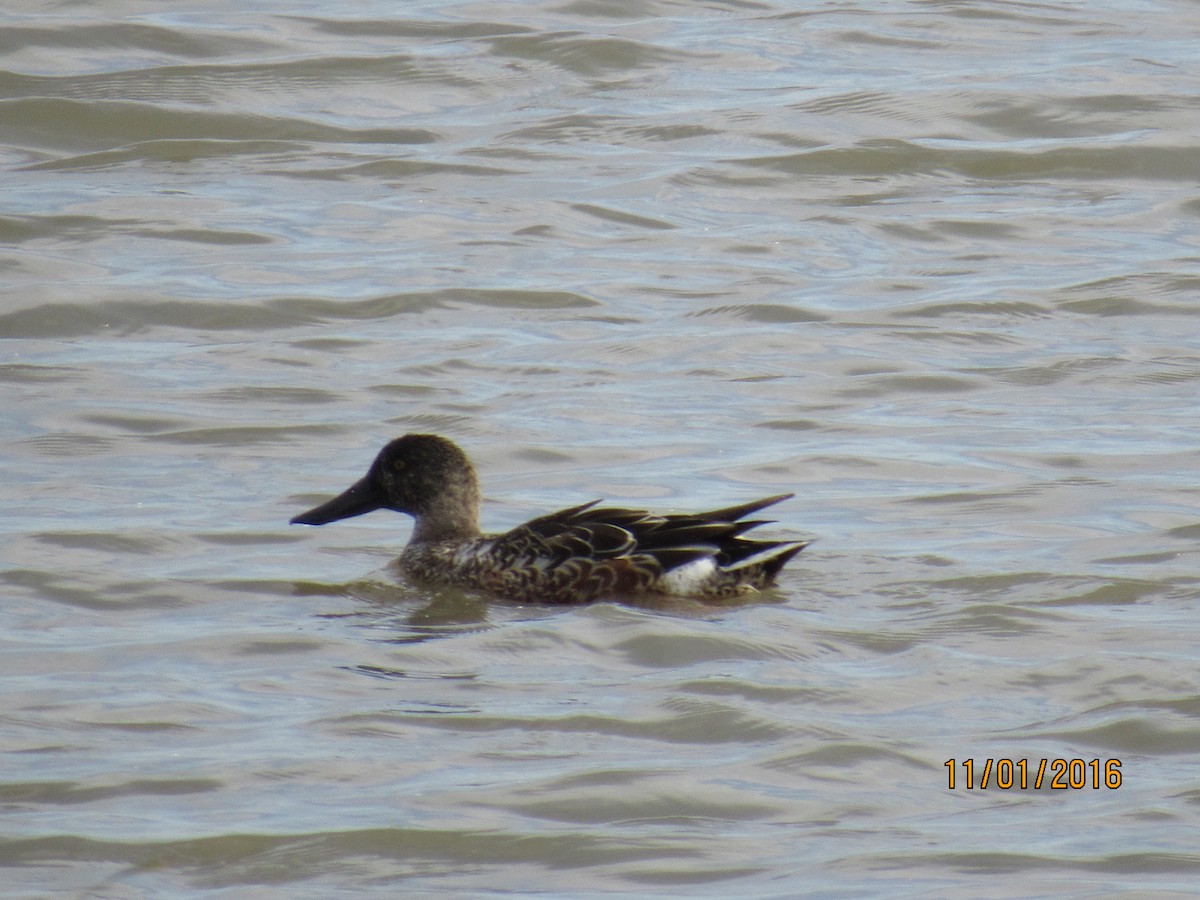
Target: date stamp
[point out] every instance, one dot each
(1022, 774)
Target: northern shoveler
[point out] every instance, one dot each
(575, 555)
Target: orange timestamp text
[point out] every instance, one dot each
(1022, 774)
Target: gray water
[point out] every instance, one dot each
(930, 265)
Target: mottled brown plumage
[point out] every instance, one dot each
(575, 555)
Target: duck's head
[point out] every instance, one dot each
(423, 475)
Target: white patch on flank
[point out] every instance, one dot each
(690, 578)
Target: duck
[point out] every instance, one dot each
(575, 555)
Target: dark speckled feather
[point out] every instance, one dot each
(575, 555)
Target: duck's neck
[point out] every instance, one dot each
(454, 516)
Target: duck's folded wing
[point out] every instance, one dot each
(568, 534)
(586, 551)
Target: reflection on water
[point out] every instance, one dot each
(930, 266)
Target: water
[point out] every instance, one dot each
(930, 265)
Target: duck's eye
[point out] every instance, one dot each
(397, 464)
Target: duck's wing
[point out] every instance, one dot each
(578, 553)
(570, 556)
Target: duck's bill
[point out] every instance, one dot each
(359, 498)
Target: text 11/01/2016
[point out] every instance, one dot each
(1022, 774)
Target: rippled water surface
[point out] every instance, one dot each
(930, 265)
